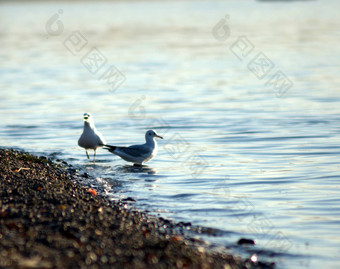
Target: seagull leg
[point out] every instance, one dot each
(94, 156)
(87, 154)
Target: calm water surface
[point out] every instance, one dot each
(236, 157)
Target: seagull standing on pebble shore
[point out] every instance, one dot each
(138, 154)
(90, 138)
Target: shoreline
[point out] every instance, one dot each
(48, 221)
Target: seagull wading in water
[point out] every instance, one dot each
(138, 154)
(90, 138)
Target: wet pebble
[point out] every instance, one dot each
(245, 241)
(46, 220)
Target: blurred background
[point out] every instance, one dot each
(246, 94)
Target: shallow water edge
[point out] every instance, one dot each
(47, 220)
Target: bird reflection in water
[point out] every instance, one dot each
(138, 169)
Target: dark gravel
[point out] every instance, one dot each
(47, 221)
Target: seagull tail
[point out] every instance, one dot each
(109, 147)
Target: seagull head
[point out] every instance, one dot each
(87, 117)
(151, 134)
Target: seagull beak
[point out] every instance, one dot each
(161, 137)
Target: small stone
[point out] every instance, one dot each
(245, 241)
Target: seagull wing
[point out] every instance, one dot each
(135, 151)
(100, 138)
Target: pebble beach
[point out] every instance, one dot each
(48, 221)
